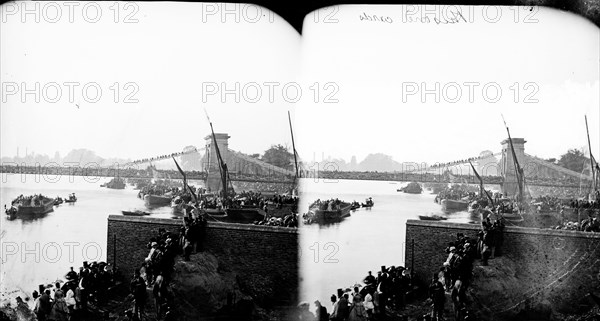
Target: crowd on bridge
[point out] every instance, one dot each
(161, 157)
(457, 162)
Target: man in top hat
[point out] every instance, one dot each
(370, 279)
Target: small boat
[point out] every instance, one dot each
(411, 188)
(512, 216)
(71, 199)
(135, 213)
(215, 212)
(157, 200)
(432, 218)
(368, 203)
(245, 214)
(58, 200)
(116, 183)
(454, 205)
(354, 205)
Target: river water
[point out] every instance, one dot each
(340, 255)
(41, 250)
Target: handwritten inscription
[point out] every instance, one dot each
(375, 18)
(449, 17)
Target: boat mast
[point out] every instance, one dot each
(295, 155)
(222, 165)
(518, 170)
(591, 157)
(207, 150)
(481, 189)
(293, 146)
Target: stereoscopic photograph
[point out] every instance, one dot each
(208, 161)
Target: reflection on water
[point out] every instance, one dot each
(338, 255)
(40, 249)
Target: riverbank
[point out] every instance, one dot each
(201, 288)
(542, 273)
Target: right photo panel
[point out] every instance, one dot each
(448, 164)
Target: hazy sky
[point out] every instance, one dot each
(178, 57)
(380, 68)
(174, 54)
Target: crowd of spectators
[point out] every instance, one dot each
(290, 220)
(327, 205)
(156, 270)
(93, 170)
(587, 213)
(458, 162)
(161, 157)
(369, 302)
(70, 300)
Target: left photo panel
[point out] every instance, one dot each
(148, 162)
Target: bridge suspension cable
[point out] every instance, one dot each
(163, 157)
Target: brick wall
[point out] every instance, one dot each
(250, 251)
(558, 266)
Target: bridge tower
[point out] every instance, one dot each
(507, 165)
(211, 162)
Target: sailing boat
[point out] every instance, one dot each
(156, 200)
(593, 193)
(179, 203)
(520, 175)
(241, 214)
(295, 183)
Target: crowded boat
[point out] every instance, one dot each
(36, 204)
(327, 211)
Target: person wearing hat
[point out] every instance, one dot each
(438, 298)
(451, 252)
(37, 306)
(370, 279)
(344, 307)
(357, 310)
(137, 287)
(60, 311)
(71, 275)
(368, 303)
